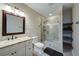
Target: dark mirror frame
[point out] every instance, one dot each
(4, 24)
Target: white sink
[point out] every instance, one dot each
(14, 41)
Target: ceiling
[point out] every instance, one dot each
(47, 9)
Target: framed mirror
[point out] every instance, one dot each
(12, 24)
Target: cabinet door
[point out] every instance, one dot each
(20, 49)
(8, 51)
(29, 48)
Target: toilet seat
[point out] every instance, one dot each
(39, 45)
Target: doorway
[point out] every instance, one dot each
(67, 31)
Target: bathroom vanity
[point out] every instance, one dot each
(13, 24)
(16, 47)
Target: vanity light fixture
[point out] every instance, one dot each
(14, 10)
(22, 14)
(7, 8)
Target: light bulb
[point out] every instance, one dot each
(22, 14)
(7, 8)
(13, 10)
(16, 12)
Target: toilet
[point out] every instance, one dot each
(37, 46)
(38, 49)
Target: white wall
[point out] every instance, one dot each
(67, 15)
(32, 27)
(75, 30)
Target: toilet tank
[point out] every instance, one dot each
(35, 39)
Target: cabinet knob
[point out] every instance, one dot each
(12, 53)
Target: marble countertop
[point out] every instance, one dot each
(14, 41)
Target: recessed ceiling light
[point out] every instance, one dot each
(50, 14)
(50, 4)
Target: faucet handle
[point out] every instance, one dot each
(16, 37)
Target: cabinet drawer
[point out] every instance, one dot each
(5, 53)
(13, 50)
(10, 52)
(8, 48)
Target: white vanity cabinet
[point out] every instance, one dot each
(19, 49)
